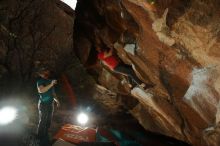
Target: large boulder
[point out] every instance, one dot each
(176, 52)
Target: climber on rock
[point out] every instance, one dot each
(112, 62)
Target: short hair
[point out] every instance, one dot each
(42, 69)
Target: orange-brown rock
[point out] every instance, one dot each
(177, 52)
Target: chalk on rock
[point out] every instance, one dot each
(130, 48)
(117, 45)
(165, 39)
(140, 92)
(162, 30)
(160, 24)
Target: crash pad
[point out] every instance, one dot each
(61, 142)
(76, 134)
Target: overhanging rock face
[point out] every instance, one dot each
(176, 51)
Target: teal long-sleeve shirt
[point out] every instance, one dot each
(48, 96)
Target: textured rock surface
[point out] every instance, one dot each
(178, 53)
(173, 45)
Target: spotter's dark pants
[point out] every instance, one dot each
(128, 71)
(45, 117)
